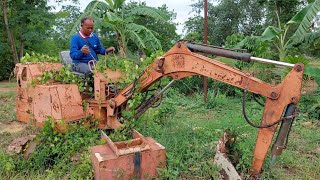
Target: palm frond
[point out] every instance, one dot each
(95, 6)
(107, 25)
(148, 38)
(147, 11)
(118, 3)
(310, 37)
(112, 17)
(304, 18)
(270, 33)
(135, 37)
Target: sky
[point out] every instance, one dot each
(181, 7)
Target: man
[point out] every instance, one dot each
(85, 45)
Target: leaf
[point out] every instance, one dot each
(118, 3)
(300, 15)
(149, 12)
(305, 19)
(136, 32)
(113, 18)
(313, 72)
(134, 36)
(307, 38)
(110, 3)
(90, 89)
(270, 33)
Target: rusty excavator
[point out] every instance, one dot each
(141, 157)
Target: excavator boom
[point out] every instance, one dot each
(180, 62)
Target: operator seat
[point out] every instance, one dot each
(66, 60)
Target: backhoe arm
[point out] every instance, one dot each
(179, 62)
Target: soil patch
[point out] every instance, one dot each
(7, 89)
(309, 86)
(13, 127)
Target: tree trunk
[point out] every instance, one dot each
(10, 35)
(21, 49)
(122, 45)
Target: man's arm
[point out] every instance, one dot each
(75, 50)
(100, 49)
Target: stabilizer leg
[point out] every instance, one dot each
(272, 113)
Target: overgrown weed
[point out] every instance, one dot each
(58, 155)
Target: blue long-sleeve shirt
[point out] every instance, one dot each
(76, 43)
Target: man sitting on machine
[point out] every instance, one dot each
(85, 45)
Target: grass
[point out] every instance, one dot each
(7, 109)
(7, 84)
(7, 101)
(189, 130)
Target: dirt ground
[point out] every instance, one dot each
(15, 126)
(12, 127)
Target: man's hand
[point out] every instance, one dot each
(110, 49)
(85, 49)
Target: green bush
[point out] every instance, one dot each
(309, 105)
(59, 155)
(6, 62)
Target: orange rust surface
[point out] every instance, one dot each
(100, 82)
(181, 62)
(290, 93)
(37, 103)
(27, 72)
(119, 160)
(60, 102)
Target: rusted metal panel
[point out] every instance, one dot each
(71, 101)
(26, 92)
(27, 72)
(56, 107)
(42, 103)
(60, 101)
(24, 110)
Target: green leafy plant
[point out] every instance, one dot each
(37, 58)
(64, 75)
(65, 155)
(132, 70)
(215, 98)
(310, 105)
(279, 35)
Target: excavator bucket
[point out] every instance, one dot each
(138, 158)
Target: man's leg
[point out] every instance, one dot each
(81, 68)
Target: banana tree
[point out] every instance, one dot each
(114, 15)
(279, 35)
